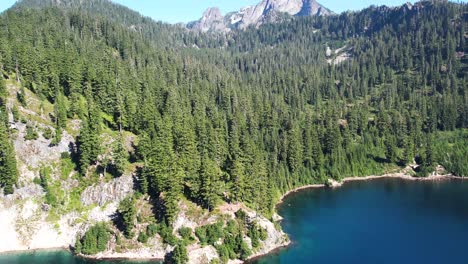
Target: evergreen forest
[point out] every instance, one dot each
(242, 116)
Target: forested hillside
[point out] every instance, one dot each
(248, 115)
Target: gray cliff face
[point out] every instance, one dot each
(312, 8)
(212, 19)
(108, 192)
(265, 11)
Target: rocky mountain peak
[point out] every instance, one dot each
(212, 14)
(285, 6)
(212, 19)
(312, 8)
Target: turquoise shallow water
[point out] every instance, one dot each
(379, 221)
(59, 257)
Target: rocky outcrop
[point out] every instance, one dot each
(275, 239)
(339, 56)
(312, 8)
(212, 19)
(265, 11)
(35, 153)
(156, 250)
(201, 255)
(108, 192)
(24, 226)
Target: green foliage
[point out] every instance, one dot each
(245, 251)
(231, 235)
(15, 113)
(127, 211)
(263, 234)
(200, 232)
(151, 230)
(94, 240)
(451, 151)
(120, 157)
(78, 246)
(241, 215)
(210, 234)
(8, 169)
(21, 97)
(210, 183)
(216, 261)
(186, 234)
(47, 134)
(166, 234)
(143, 237)
(60, 111)
(50, 197)
(223, 253)
(179, 255)
(256, 234)
(57, 137)
(66, 166)
(31, 133)
(88, 141)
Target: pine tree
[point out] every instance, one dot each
(3, 102)
(210, 188)
(294, 149)
(172, 193)
(179, 254)
(128, 212)
(8, 169)
(238, 181)
(408, 156)
(60, 111)
(390, 148)
(89, 146)
(119, 156)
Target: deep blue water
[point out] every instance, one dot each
(380, 221)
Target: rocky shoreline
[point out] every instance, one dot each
(398, 175)
(277, 238)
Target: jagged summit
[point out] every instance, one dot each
(311, 7)
(212, 20)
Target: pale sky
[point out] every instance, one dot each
(174, 11)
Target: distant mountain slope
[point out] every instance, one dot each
(160, 33)
(265, 11)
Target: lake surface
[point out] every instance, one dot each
(379, 221)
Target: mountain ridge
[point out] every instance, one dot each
(265, 11)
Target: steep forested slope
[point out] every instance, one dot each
(247, 115)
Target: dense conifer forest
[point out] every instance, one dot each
(247, 115)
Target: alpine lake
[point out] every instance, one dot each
(376, 221)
